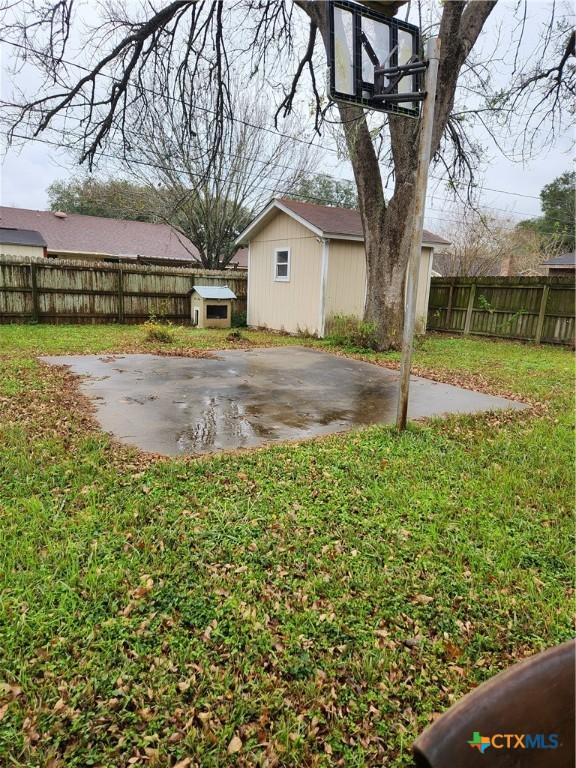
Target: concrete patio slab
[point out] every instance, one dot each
(246, 398)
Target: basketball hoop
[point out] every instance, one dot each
(374, 60)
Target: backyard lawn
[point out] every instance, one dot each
(300, 605)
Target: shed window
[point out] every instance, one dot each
(282, 264)
(216, 311)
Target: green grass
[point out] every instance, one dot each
(320, 601)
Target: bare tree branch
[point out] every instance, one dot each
(174, 52)
(210, 201)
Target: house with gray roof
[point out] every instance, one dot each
(21, 242)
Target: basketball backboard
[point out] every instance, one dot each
(367, 54)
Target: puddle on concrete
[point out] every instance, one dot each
(242, 399)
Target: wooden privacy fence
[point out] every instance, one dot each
(58, 291)
(539, 309)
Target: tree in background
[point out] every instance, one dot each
(172, 177)
(483, 244)
(325, 190)
(211, 199)
(113, 198)
(557, 224)
(186, 48)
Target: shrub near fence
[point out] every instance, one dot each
(59, 291)
(539, 309)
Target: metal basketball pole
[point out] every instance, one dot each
(413, 268)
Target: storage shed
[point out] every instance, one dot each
(306, 263)
(212, 306)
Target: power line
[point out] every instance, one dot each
(270, 163)
(160, 167)
(247, 123)
(166, 96)
(127, 159)
(260, 187)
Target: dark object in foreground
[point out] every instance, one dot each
(524, 717)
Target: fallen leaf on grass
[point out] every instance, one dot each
(31, 735)
(144, 588)
(235, 745)
(422, 599)
(60, 705)
(209, 629)
(10, 691)
(413, 642)
(452, 651)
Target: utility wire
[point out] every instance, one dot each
(270, 163)
(239, 120)
(287, 193)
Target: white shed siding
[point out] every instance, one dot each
(285, 305)
(296, 304)
(346, 286)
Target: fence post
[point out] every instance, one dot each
(34, 286)
(120, 294)
(449, 307)
(542, 313)
(469, 308)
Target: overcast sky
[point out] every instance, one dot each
(27, 171)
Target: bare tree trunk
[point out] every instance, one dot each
(386, 260)
(385, 297)
(386, 230)
(387, 227)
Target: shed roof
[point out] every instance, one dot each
(15, 236)
(214, 292)
(325, 221)
(565, 260)
(76, 233)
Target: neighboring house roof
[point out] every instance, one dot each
(73, 233)
(325, 221)
(14, 236)
(214, 292)
(240, 259)
(566, 260)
